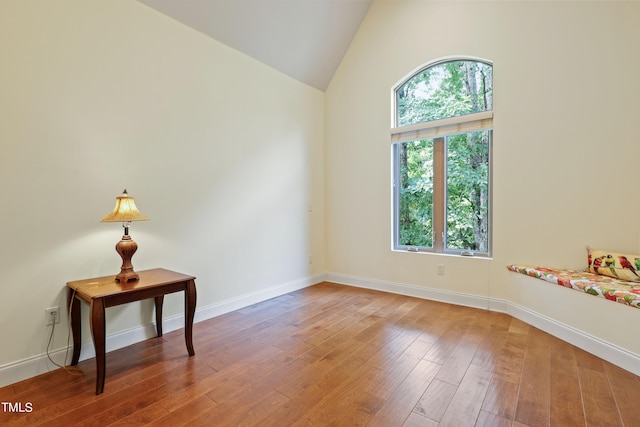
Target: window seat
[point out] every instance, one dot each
(609, 288)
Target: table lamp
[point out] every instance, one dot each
(125, 212)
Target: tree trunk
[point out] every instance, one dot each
(478, 156)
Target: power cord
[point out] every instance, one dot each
(68, 369)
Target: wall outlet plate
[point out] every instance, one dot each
(55, 311)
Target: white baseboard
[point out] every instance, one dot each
(246, 300)
(596, 346)
(412, 291)
(603, 349)
(40, 364)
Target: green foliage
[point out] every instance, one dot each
(467, 190)
(446, 90)
(416, 194)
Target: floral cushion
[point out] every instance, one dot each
(614, 264)
(607, 287)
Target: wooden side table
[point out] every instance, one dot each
(103, 292)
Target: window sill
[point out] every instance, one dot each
(444, 254)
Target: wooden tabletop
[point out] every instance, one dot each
(101, 287)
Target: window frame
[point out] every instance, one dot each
(438, 130)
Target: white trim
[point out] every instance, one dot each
(40, 364)
(421, 68)
(596, 346)
(601, 348)
(412, 291)
(237, 303)
(437, 61)
(27, 368)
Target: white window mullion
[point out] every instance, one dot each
(439, 193)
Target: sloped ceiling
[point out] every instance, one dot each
(305, 39)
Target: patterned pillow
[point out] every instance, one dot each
(614, 264)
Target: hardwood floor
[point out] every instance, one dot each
(333, 355)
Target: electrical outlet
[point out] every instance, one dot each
(52, 315)
(441, 269)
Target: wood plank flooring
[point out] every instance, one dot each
(332, 355)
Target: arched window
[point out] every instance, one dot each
(441, 136)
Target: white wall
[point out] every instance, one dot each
(223, 153)
(565, 153)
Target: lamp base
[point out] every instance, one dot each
(126, 276)
(126, 247)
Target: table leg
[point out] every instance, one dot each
(98, 332)
(159, 302)
(76, 325)
(189, 313)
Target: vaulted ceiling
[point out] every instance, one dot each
(305, 39)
